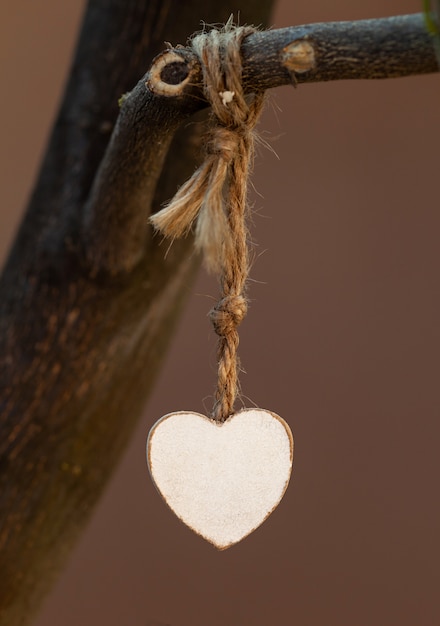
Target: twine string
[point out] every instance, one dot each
(216, 196)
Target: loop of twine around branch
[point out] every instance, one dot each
(216, 196)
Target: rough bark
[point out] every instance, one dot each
(88, 298)
(79, 353)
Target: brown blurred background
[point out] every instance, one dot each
(342, 340)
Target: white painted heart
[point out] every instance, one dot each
(222, 480)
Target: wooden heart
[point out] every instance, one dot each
(221, 480)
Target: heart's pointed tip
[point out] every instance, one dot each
(219, 544)
(223, 548)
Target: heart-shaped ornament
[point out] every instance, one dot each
(221, 479)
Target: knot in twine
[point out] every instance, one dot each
(227, 314)
(222, 143)
(216, 195)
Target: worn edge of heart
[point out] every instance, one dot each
(222, 504)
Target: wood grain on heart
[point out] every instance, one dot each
(221, 479)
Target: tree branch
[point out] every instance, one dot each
(378, 48)
(151, 113)
(88, 299)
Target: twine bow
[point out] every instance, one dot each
(216, 196)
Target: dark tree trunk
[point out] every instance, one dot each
(79, 352)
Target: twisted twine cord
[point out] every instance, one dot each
(216, 195)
